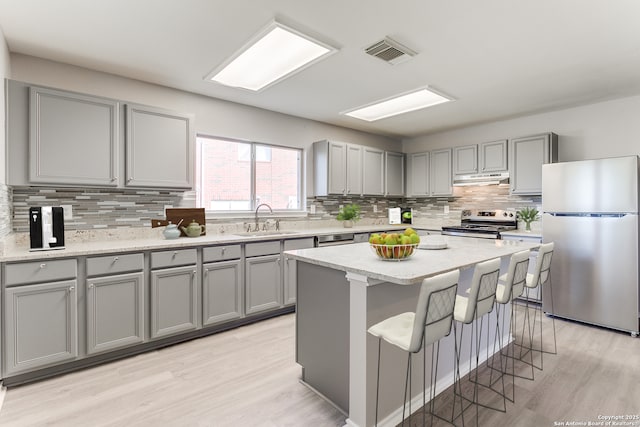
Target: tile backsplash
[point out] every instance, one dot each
(5, 210)
(113, 208)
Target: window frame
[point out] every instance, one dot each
(211, 213)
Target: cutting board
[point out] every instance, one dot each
(186, 215)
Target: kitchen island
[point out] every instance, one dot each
(343, 290)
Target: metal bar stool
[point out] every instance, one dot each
(412, 331)
(468, 310)
(541, 277)
(510, 286)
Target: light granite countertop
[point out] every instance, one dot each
(536, 234)
(106, 245)
(461, 252)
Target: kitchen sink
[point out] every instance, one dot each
(264, 233)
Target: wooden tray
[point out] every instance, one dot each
(186, 215)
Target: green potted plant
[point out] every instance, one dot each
(528, 215)
(349, 214)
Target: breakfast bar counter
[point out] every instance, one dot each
(343, 290)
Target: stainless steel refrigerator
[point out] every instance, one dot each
(590, 212)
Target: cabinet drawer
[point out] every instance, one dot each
(292, 244)
(112, 264)
(220, 253)
(262, 248)
(173, 258)
(39, 271)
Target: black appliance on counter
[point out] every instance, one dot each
(46, 228)
(486, 224)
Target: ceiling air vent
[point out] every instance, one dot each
(390, 51)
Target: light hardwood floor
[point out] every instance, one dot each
(248, 377)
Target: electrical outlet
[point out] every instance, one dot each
(167, 207)
(446, 209)
(312, 209)
(68, 211)
(375, 208)
(340, 206)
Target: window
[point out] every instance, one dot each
(239, 175)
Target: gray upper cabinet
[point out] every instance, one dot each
(487, 157)
(528, 154)
(40, 326)
(441, 177)
(394, 174)
(159, 148)
(56, 137)
(337, 168)
(418, 175)
(73, 138)
(354, 170)
(493, 156)
(373, 171)
(465, 160)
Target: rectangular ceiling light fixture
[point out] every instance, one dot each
(411, 101)
(272, 55)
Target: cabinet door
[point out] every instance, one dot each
(263, 283)
(337, 168)
(527, 157)
(73, 139)
(493, 156)
(159, 148)
(394, 174)
(173, 301)
(418, 185)
(115, 312)
(40, 325)
(291, 269)
(465, 160)
(354, 170)
(221, 292)
(441, 177)
(373, 171)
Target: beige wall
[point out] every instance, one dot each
(213, 116)
(604, 129)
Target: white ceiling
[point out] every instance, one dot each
(498, 58)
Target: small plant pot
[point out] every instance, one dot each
(348, 223)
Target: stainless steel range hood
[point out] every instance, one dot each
(481, 179)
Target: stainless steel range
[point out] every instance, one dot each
(486, 224)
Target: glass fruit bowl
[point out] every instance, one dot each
(394, 252)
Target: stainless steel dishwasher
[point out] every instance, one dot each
(335, 239)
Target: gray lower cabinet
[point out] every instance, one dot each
(290, 268)
(115, 311)
(40, 325)
(221, 291)
(263, 283)
(174, 301)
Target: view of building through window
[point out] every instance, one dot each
(238, 175)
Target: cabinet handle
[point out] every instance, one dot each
(223, 249)
(90, 286)
(43, 265)
(114, 179)
(116, 259)
(71, 288)
(206, 274)
(174, 254)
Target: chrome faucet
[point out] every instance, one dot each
(257, 226)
